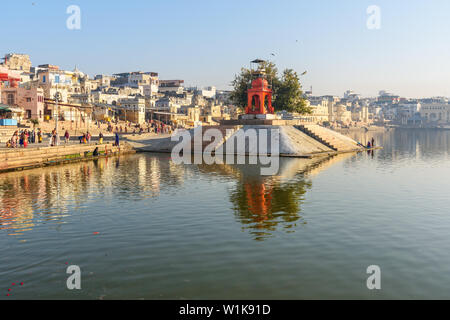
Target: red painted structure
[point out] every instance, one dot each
(14, 82)
(4, 76)
(259, 97)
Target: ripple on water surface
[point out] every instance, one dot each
(141, 226)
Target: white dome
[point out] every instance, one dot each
(78, 72)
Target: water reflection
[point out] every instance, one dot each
(50, 194)
(408, 143)
(267, 204)
(262, 204)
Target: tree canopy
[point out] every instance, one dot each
(287, 91)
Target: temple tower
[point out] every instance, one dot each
(259, 96)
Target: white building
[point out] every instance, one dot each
(435, 112)
(133, 109)
(208, 92)
(175, 86)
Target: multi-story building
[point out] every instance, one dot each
(149, 82)
(146, 82)
(320, 111)
(386, 97)
(30, 99)
(133, 109)
(408, 110)
(176, 86)
(437, 112)
(351, 96)
(360, 114)
(15, 61)
(108, 97)
(208, 92)
(53, 80)
(104, 81)
(167, 103)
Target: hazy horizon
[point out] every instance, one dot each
(207, 43)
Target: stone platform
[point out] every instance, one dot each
(295, 139)
(258, 122)
(27, 158)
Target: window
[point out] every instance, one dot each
(28, 99)
(10, 98)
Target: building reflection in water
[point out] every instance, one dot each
(263, 204)
(267, 204)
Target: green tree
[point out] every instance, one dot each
(242, 82)
(287, 92)
(290, 94)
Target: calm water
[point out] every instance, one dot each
(168, 231)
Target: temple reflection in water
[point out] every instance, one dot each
(262, 204)
(267, 204)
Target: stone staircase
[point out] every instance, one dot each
(204, 132)
(6, 133)
(328, 137)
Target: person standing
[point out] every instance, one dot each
(50, 140)
(14, 140)
(53, 138)
(39, 135)
(100, 138)
(21, 139)
(66, 137)
(373, 142)
(117, 139)
(25, 139)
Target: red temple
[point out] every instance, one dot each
(259, 96)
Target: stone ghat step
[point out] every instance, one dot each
(226, 131)
(330, 132)
(24, 158)
(23, 153)
(328, 137)
(6, 134)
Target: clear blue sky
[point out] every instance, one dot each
(207, 42)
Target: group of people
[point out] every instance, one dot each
(160, 127)
(86, 137)
(371, 144)
(21, 139)
(152, 126)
